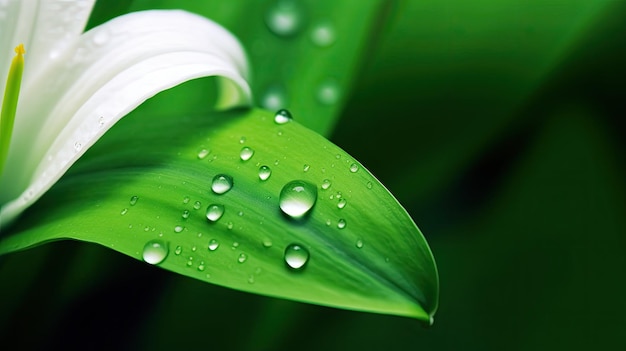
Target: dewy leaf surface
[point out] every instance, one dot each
(150, 190)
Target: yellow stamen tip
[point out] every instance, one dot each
(20, 49)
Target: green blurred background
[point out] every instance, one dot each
(497, 124)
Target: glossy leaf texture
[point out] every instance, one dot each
(206, 196)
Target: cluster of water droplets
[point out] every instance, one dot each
(296, 201)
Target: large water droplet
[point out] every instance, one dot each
(282, 116)
(284, 18)
(296, 256)
(155, 251)
(213, 244)
(264, 172)
(214, 212)
(323, 34)
(297, 198)
(246, 153)
(221, 183)
(133, 200)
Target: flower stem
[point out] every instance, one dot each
(9, 103)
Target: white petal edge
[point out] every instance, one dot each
(114, 68)
(45, 27)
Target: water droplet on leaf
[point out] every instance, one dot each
(214, 212)
(154, 252)
(242, 258)
(354, 168)
(326, 184)
(246, 153)
(133, 200)
(297, 198)
(203, 153)
(342, 203)
(213, 244)
(296, 256)
(264, 172)
(341, 223)
(221, 183)
(282, 116)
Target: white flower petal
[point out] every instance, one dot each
(45, 27)
(111, 70)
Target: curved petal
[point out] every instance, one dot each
(112, 69)
(45, 27)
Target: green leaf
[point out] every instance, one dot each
(148, 182)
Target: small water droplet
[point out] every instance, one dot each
(284, 18)
(222, 183)
(240, 213)
(213, 244)
(146, 229)
(328, 222)
(203, 153)
(282, 116)
(326, 184)
(297, 198)
(193, 249)
(178, 250)
(197, 205)
(323, 34)
(341, 223)
(354, 168)
(190, 261)
(359, 243)
(185, 214)
(155, 251)
(267, 243)
(186, 199)
(296, 256)
(264, 172)
(133, 200)
(369, 185)
(328, 92)
(342, 203)
(214, 212)
(246, 153)
(178, 228)
(78, 146)
(242, 140)
(124, 211)
(235, 245)
(242, 258)
(251, 279)
(306, 168)
(229, 225)
(201, 266)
